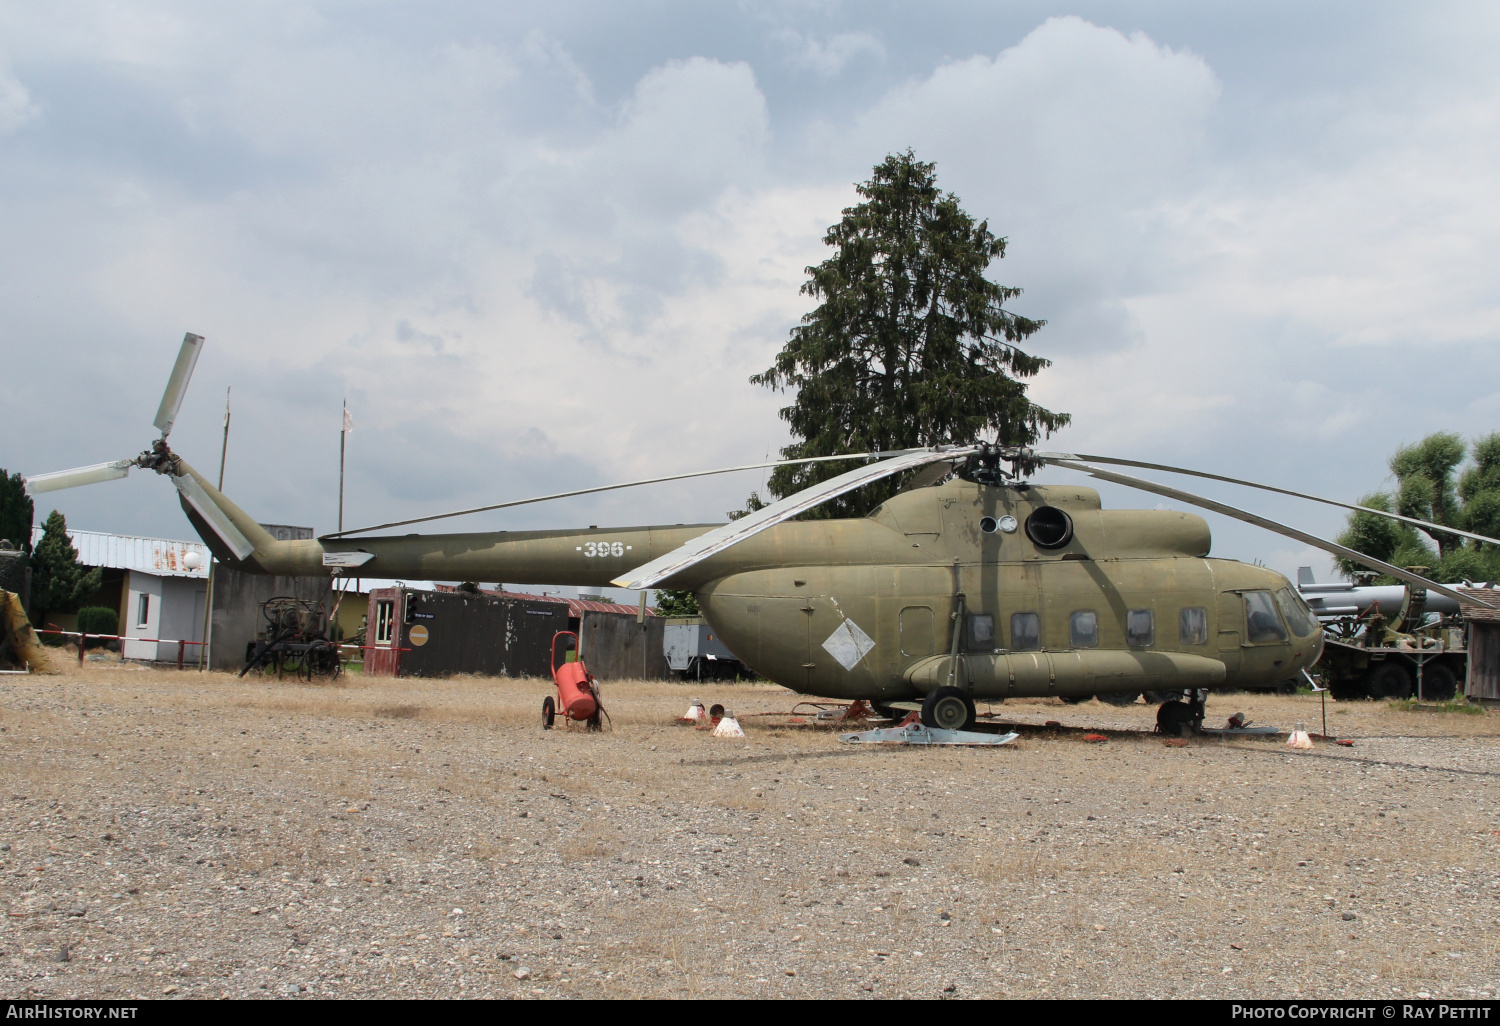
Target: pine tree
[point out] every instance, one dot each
(59, 584)
(16, 511)
(910, 344)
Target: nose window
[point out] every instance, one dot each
(1262, 625)
(1297, 614)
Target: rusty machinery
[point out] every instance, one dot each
(294, 640)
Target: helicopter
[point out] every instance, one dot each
(972, 584)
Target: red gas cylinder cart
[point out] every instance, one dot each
(577, 690)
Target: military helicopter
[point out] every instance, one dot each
(972, 584)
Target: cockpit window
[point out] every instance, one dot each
(1298, 618)
(1262, 625)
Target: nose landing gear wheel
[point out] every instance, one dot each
(549, 712)
(948, 709)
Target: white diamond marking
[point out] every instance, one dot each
(848, 644)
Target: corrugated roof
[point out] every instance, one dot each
(160, 556)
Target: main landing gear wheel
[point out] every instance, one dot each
(948, 709)
(549, 713)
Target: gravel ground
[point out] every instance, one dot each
(196, 835)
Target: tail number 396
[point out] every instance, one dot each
(604, 548)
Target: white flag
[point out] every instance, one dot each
(348, 421)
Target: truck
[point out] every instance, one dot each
(694, 651)
(1386, 641)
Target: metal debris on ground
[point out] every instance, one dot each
(1095, 737)
(824, 712)
(914, 733)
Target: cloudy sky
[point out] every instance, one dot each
(542, 246)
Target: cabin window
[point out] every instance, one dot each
(1262, 625)
(143, 611)
(1140, 628)
(916, 631)
(981, 633)
(385, 614)
(1192, 625)
(1083, 629)
(1025, 632)
(1298, 616)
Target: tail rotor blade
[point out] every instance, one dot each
(78, 476)
(182, 373)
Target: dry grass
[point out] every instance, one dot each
(357, 817)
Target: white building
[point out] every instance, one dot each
(148, 580)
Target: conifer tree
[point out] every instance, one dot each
(59, 584)
(910, 345)
(16, 511)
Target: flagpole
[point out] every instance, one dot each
(208, 591)
(343, 435)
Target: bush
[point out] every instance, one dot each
(98, 620)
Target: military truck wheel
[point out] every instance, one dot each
(948, 709)
(1347, 690)
(1119, 697)
(549, 713)
(1438, 682)
(1074, 699)
(1388, 680)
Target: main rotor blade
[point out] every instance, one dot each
(612, 487)
(1259, 521)
(721, 538)
(1426, 525)
(78, 476)
(182, 373)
